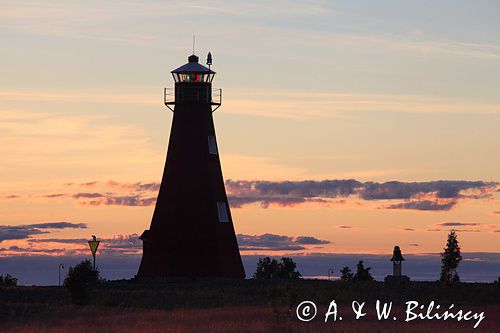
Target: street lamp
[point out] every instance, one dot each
(61, 266)
(330, 272)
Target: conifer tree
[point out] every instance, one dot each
(450, 259)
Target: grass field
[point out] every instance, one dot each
(237, 306)
(230, 319)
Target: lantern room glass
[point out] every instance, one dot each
(193, 77)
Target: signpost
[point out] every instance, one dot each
(93, 244)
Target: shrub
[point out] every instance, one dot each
(80, 280)
(346, 274)
(362, 273)
(268, 268)
(7, 281)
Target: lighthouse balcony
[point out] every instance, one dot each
(173, 96)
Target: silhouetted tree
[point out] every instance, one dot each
(287, 269)
(7, 281)
(268, 268)
(80, 280)
(362, 273)
(346, 274)
(450, 259)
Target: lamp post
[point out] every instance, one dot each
(330, 271)
(61, 266)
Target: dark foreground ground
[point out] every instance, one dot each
(242, 306)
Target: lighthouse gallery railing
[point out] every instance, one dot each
(192, 95)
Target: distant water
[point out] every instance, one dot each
(477, 267)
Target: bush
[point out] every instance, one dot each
(346, 274)
(7, 281)
(362, 273)
(80, 280)
(268, 268)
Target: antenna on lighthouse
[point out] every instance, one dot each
(194, 39)
(209, 60)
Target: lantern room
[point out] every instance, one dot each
(193, 84)
(193, 72)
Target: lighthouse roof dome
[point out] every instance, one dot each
(193, 66)
(396, 254)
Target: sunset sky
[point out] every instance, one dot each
(347, 127)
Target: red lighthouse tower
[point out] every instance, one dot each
(191, 232)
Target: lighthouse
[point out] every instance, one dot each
(397, 277)
(397, 260)
(191, 232)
